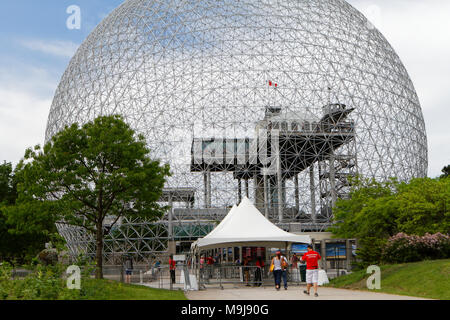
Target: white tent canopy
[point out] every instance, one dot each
(246, 226)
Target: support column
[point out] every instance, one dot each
(172, 248)
(239, 190)
(323, 253)
(246, 188)
(297, 194)
(258, 187)
(312, 192)
(170, 231)
(266, 198)
(333, 180)
(207, 182)
(209, 189)
(348, 246)
(205, 188)
(279, 186)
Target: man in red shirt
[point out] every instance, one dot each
(172, 267)
(312, 270)
(258, 271)
(210, 263)
(210, 260)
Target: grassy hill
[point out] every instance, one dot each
(426, 279)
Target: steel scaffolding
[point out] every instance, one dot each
(279, 100)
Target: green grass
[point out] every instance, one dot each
(426, 279)
(112, 290)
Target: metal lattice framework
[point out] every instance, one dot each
(279, 100)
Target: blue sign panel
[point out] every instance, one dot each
(299, 248)
(336, 251)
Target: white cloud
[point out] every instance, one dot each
(23, 119)
(64, 49)
(25, 100)
(418, 31)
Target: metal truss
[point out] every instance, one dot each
(278, 100)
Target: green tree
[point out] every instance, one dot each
(376, 211)
(86, 173)
(8, 190)
(7, 197)
(18, 244)
(367, 212)
(424, 206)
(445, 172)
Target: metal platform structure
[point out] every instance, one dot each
(282, 101)
(285, 146)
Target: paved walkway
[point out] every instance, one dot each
(293, 293)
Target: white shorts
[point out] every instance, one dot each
(312, 276)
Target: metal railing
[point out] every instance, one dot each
(220, 275)
(208, 276)
(155, 277)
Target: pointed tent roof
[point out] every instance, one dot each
(224, 222)
(245, 225)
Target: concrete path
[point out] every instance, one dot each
(293, 293)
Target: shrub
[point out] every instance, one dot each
(44, 283)
(404, 248)
(369, 252)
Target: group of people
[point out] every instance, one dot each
(279, 266)
(258, 271)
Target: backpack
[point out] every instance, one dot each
(284, 264)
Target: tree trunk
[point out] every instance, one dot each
(99, 251)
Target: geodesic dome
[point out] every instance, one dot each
(187, 71)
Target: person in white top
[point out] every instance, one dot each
(279, 266)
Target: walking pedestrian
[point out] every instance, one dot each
(279, 266)
(258, 271)
(128, 268)
(294, 267)
(312, 270)
(155, 269)
(172, 267)
(201, 267)
(210, 263)
(246, 270)
(294, 261)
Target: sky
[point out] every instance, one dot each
(36, 46)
